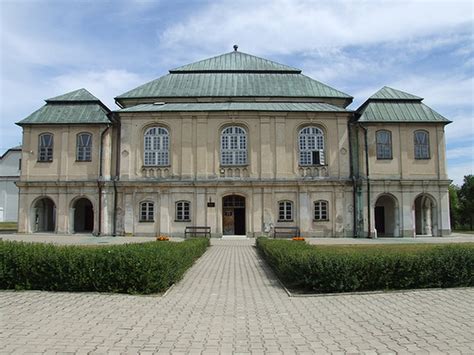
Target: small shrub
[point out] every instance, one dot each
(132, 268)
(345, 268)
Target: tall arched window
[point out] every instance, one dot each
(84, 147)
(384, 144)
(234, 146)
(45, 147)
(422, 145)
(311, 146)
(285, 211)
(157, 141)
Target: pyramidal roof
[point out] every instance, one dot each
(75, 107)
(76, 95)
(235, 62)
(230, 75)
(388, 93)
(392, 105)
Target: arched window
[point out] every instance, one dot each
(233, 146)
(311, 146)
(321, 210)
(183, 211)
(422, 145)
(285, 211)
(156, 152)
(384, 144)
(83, 147)
(147, 211)
(45, 147)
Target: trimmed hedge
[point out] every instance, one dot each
(131, 268)
(349, 268)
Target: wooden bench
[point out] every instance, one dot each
(197, 231)
(286, 232)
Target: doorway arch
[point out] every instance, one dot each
(233, 215)
(425, 215)
(44, 215)
(386, 216)
(83, 216)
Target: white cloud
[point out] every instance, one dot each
(284, 26)
(105, 85)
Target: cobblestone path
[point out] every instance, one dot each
(230, 302)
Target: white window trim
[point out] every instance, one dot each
(287, 211)
(321, 203)
(311, 140)
(149, 209)
(183, 204)
(83, 153)
(45, 153)
(234, 146)
(156, 147)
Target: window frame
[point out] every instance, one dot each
(381, 148)
(161, 155)
(183, 204)
(234, 156)
(416, 145)
(287, 213)
(149, 215)
(84, 151)
(49, 149)
(306, 153)
(318, 205)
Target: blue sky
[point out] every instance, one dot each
(423, 47)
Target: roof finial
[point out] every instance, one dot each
(236, 47)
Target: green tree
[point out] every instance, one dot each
(466, 200)
(454, 206)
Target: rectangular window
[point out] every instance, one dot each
(285, 211)
(422, 145)
(45, 147)
(84, 147)
(384, 144)
(147, 212)
(182, 211)
(320, 211)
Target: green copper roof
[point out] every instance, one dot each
(236, 106)
(234, 74)
(391, 105)
(387, 93)
(233, 62)
(234, 84)
(400, 112)
(77, 95)
(76, 107)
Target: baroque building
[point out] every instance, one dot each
(242, 145)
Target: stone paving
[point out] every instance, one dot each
(230, 302)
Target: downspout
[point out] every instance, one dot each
(116, 177)
(99, 181)
(354, 185)
(366, 147)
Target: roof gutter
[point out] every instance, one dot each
(367, 172)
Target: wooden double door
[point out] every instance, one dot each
(233, 215)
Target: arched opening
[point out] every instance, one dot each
(83, 216)
(386, 216)
(233, 215)
(425, 216)
(44, 215)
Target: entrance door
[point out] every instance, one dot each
(380, 219)
(233, 215)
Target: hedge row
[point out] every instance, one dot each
(132, 268)
(324, 269)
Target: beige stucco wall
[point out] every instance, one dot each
(195, 144)
(403, 164)
(64, 166)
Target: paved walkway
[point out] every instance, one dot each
(230, 302)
